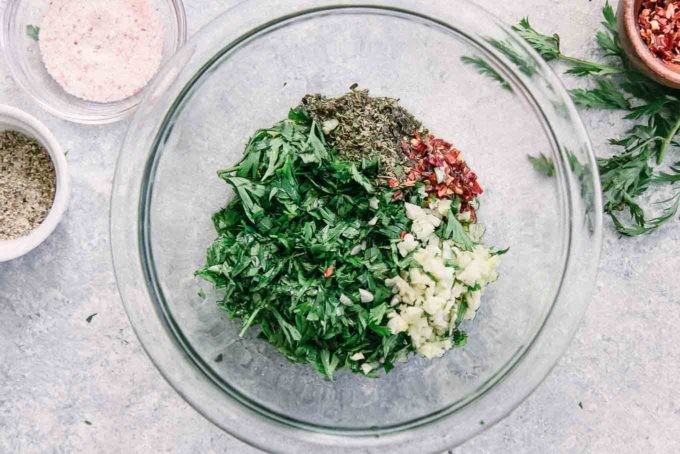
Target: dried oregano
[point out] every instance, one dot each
(362, 126)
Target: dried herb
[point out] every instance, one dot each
(90, 318)
(360, 127)
(27, 184)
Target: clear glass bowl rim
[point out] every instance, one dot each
(186, 376)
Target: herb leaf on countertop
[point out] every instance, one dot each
(33, 32)
(543, 164)
(605, 96)
(484, 68)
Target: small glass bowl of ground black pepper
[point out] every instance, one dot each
(34, 183)
(90, 62)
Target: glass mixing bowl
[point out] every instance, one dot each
(244, 71)
(25, 62)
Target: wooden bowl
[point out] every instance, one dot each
(640, 56)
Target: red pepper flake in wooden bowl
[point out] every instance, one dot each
(442, 168)
(659, 22)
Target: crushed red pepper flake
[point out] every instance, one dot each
(659, 24)
(329, 272)
(442, 168)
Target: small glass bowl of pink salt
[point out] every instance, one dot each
(90, 62)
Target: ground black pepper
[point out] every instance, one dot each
(27, 184)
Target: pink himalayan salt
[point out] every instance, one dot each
(101, 50)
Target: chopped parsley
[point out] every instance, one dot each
(303, 253)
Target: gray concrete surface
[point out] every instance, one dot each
(67, 385)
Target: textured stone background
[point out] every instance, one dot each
(67, 385)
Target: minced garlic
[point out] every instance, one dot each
(427, 297)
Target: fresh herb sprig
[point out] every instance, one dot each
(548, 46)
(299, 240)
(626, 176)
(33, 32)
(543, 164)
(483, 67)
